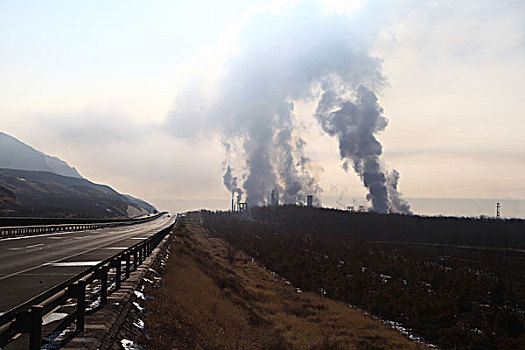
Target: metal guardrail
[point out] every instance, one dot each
(27, 317)
(13, 231)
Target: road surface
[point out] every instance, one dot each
(30, 265)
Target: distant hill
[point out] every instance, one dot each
(35, 184)
(45, 194)
(142, 204)
(14, 154)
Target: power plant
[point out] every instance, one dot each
(238, 206)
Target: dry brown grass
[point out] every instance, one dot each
(212, 298)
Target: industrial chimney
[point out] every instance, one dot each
(309, 200)
(275, 198)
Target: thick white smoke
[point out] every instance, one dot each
(285, 58)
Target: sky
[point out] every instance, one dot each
(139, 95)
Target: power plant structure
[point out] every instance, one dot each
(498, 207)
(309, 200)
(274, 202)
(239, 206)
(360, 209)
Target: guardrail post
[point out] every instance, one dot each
(135, 257)
(118, 272)
(81, 304)
(103, 284)
(127, 265)
(35, 333)
(139, 248)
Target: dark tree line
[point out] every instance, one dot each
(372, 226)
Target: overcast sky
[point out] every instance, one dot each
(116, 89)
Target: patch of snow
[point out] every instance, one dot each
(58, 339)
(385, 278)
(140, 308)
(139, 295)
(154, 272)
(476, 331)
(93, 304)
(139, 324)
(130, 345)
(53, 317)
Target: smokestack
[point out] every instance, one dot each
(238, 201)
(309, 200)
(498, 206)
(275, 198)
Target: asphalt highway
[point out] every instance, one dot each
(31, 265)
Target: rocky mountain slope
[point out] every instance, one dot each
(14, 154)
(33, 184)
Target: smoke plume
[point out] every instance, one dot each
(354, 124)
(397, 203)
(231, 182)
(294, 56)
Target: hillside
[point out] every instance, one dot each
(45, 194)
(14, 154)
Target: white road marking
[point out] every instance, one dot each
(34, 245)
(19, 248)
(116, 248)
(74, 263)
(140, 237)
(36, 236)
